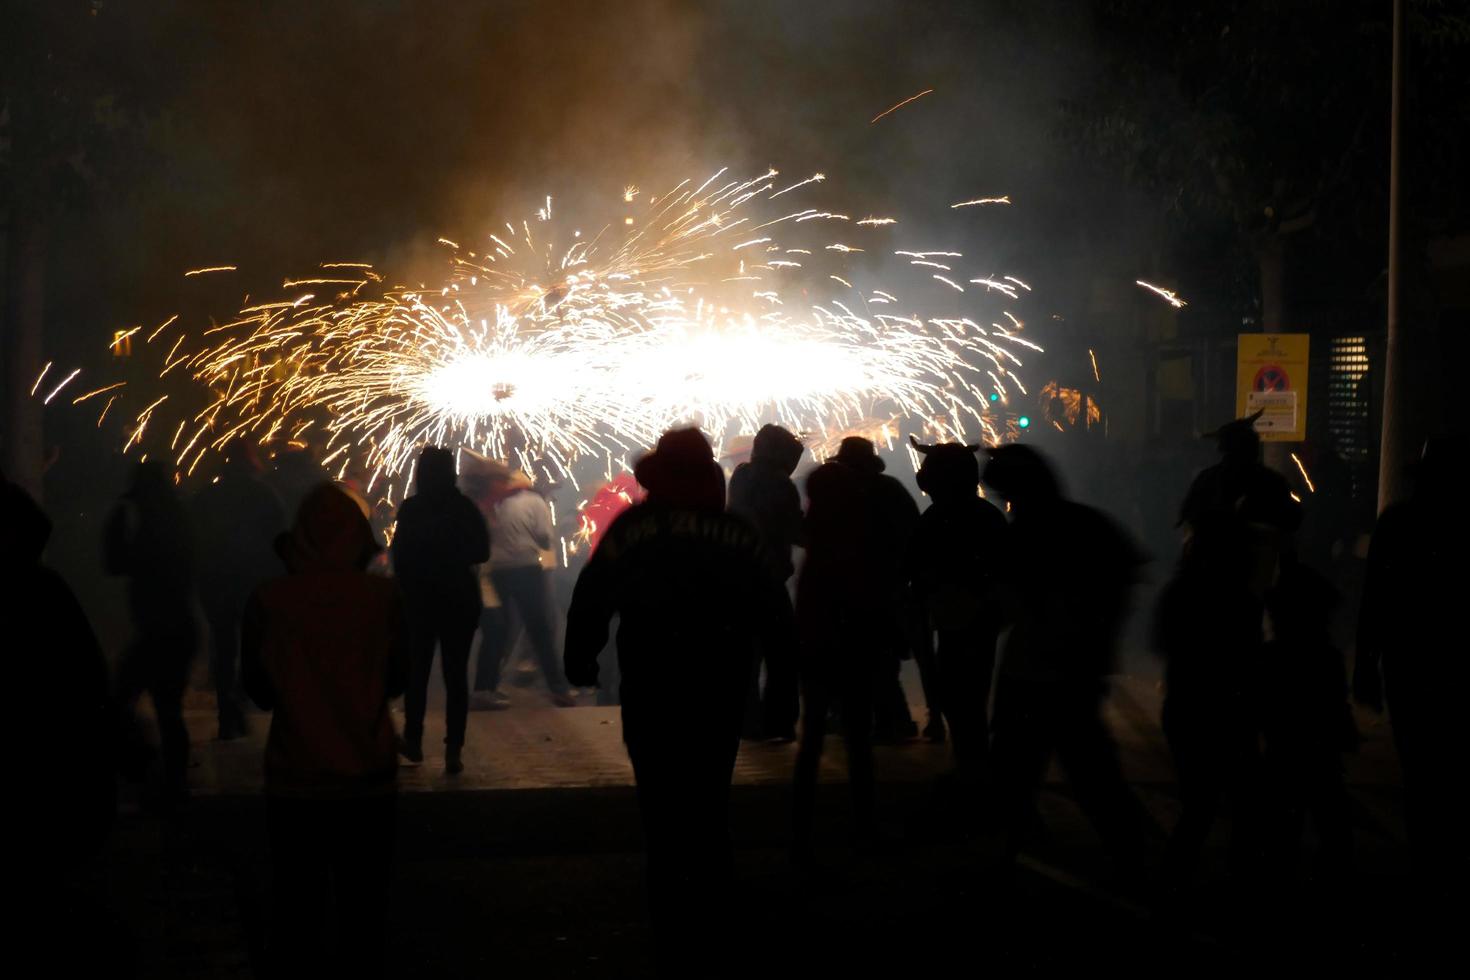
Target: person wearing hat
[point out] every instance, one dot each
(852, 608)
(149, 541)
(440, 537)
(1238, 516)
(959, 550)
(696, 600)
(324, 648)
(520, 531)
(761, 491)
(1409, 658)
(235, 517)
(1065, 596)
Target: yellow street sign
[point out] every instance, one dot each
(1271, 378)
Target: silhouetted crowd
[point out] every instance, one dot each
(1013, 614)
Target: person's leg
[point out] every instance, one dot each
(1019, 754)
(362, 872)
(930, 681)
(531, 594)
(170, 678)
(456, 633)
(817, 700)
(780, 702)
(224, 657)
(966, 665)
(1089, 755)
(300, 887)
(1197, 766)
(494, 627)
(857, 708)
(422, 640)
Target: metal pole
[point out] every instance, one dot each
(1393, 450)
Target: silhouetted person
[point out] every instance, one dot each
(1306, 721)
(520, 530)
(1238, 514)
(761, 491)
(852, 611)
(235, 519)
(1410, 650)
(71, 797)
(440, 537)
(147, 540)
(695, 597)
(325, 651)
(1071, 571)
(959, 550)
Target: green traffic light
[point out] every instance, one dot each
(994, 397)
(1024, 422)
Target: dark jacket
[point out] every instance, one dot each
(695, 598)
(235, 521)
(763, 494)
(1072, 570)
(859, 529)
(441, 534)
(958, 555)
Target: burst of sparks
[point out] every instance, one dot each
(545, 354)
(1169, 296)
(1300, 466)
(899, 105)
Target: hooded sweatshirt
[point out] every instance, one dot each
(322, 648)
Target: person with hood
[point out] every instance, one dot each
(1238, 516)
(958, 551)
(1070, 574)
(1407, 659)
(325, 650)
(440, 538)
(761, 491)
(147, 540)
(56, 654)
(852, 609)
(235, 519)
(695, 597)
(520, 531)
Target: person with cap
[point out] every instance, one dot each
(852, 609)
(1071, 571)
(695, 597)
(236, 517)
(147, 539)
(440, 537)
(520, 532)
(762, 492)
(1238, 516)
(958, 549)
(1407, 655)
(325, 650)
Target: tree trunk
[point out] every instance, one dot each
(22, 452)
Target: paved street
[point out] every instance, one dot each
(529, 862)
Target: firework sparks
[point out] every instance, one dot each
(1168, 295)
(899, 105)
(209, 269)
(983, 200)
(552, 353)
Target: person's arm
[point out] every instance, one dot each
(253, 676)
(1367, 668)
(541, 529)
(587, 619)
(398, 649)
(477, 534)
